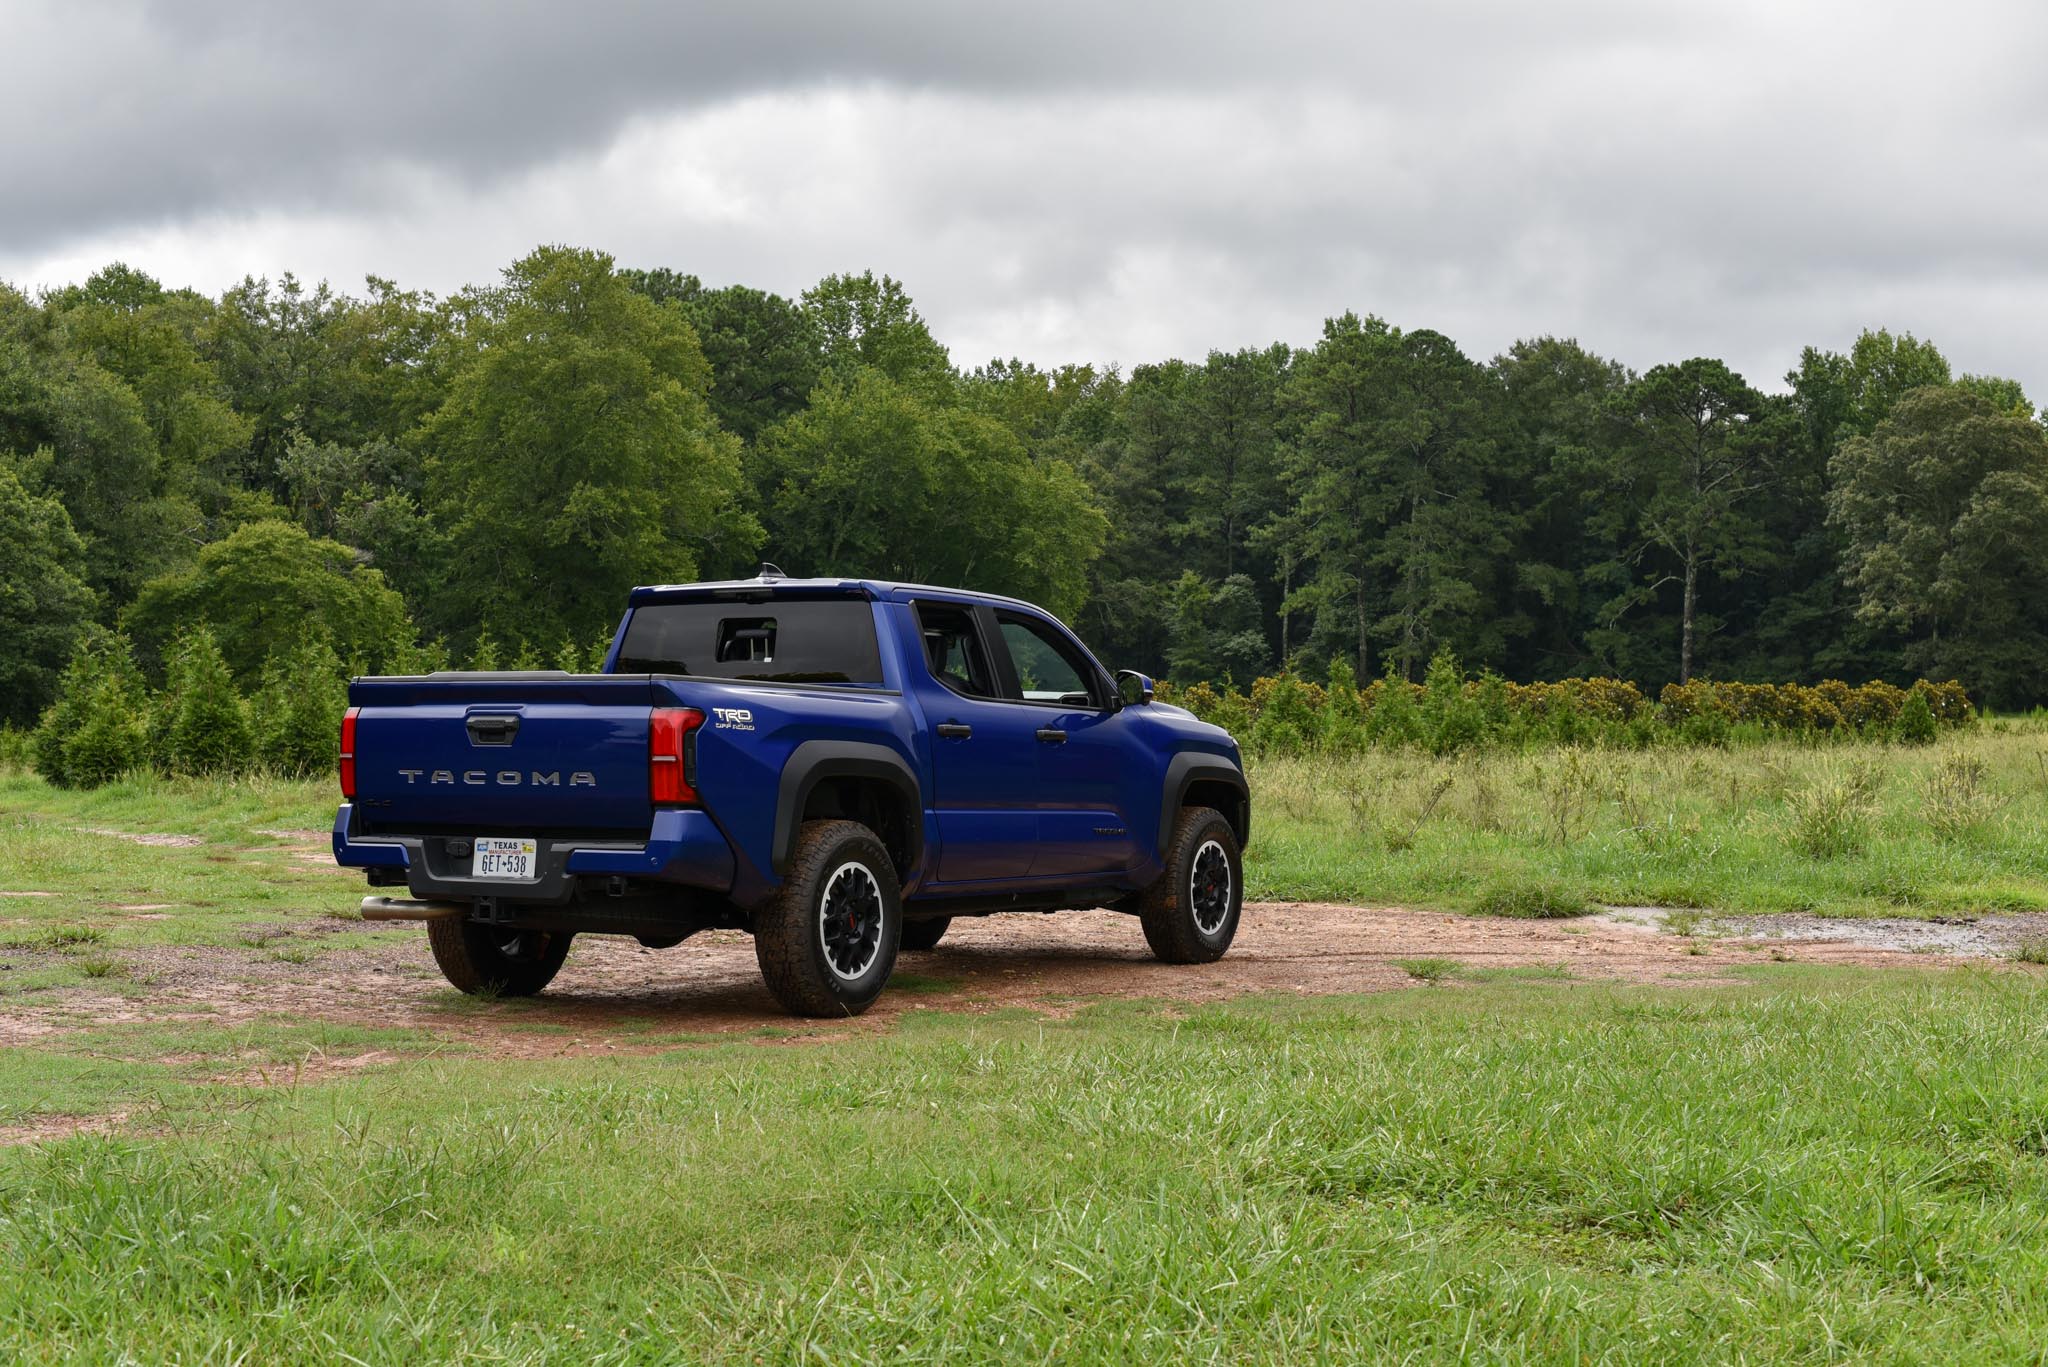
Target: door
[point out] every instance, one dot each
(1083, 758)
(984, 753)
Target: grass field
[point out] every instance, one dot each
(1817, 1167)
(1501, 1164)
(1957, 827)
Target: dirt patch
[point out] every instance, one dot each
(157, 838)
(614, 996)
(1992, 936)
(44, 1129)
(27, 894)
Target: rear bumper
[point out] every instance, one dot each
(684, 846)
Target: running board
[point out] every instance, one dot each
(404, 909)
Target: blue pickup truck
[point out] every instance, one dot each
(838, 767)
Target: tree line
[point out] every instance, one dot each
(399, 478)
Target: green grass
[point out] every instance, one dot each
(1958, 827)
(239, 881)
(1821, 1166)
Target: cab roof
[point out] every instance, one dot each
(771, 586)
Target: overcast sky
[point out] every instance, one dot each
(1086, 181)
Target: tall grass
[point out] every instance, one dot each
(1959, 826)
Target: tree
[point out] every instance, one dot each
(868, 320)
(1694, 451)
(765, 352)
(206, 726)
(1554, 396)
(87, 440)
(96, 729)
(873, 480)
(43, 597)
(577, 455)
(1390, 472)
(260, 586)
(1944, 510)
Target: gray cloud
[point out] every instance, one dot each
(1067, 180)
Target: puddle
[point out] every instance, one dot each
(1992, 936)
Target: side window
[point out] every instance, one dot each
(952, 647)
(1048, 668)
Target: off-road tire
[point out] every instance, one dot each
(791, 929)
(926, 934)
(493, 961)
(1190, 911)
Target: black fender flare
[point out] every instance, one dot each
(816, 760)
(1185, 770)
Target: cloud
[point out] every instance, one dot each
(1109, 182)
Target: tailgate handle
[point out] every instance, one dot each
(490, 730)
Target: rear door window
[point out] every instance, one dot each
(827, 640)
(953, 648)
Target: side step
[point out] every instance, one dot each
(404, 909)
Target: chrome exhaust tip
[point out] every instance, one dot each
(405, 909)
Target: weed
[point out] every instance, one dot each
(1427, 970)
(1686, 921)
(101, 966)
(1832, 816)
(2031, 951)
(1957, 802)
(294, 954)
(1531, 901)
(68, 939)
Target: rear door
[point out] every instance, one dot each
(984, 753)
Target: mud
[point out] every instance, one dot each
(614, 996)
(1992, 936)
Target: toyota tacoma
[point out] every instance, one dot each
(838, 767)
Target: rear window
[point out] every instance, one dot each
(830, 640)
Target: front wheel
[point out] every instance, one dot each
(826, 941)
(1190, 912)
(496, 961)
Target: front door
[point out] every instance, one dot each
(984, 753)
(1082, 749)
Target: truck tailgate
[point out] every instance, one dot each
(526, 754)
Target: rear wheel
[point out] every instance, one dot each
(1190, 912)
(826, 941)
(925, 934)
(495, 960)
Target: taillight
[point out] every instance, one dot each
(672, 754)
(348, 752)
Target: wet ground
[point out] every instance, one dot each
(613, 995)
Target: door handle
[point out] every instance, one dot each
(1052, 735)
(954, 730)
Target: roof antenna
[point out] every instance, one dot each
(769, 571)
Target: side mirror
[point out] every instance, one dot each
(1132, 687)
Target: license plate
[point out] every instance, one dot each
(499, 857)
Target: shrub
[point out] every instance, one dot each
(207, 730)
(298, 713)
(97, 728)
(1287, 719)
(1915, 724)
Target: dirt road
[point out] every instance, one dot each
(614, 995)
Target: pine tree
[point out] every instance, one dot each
(209, 729)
